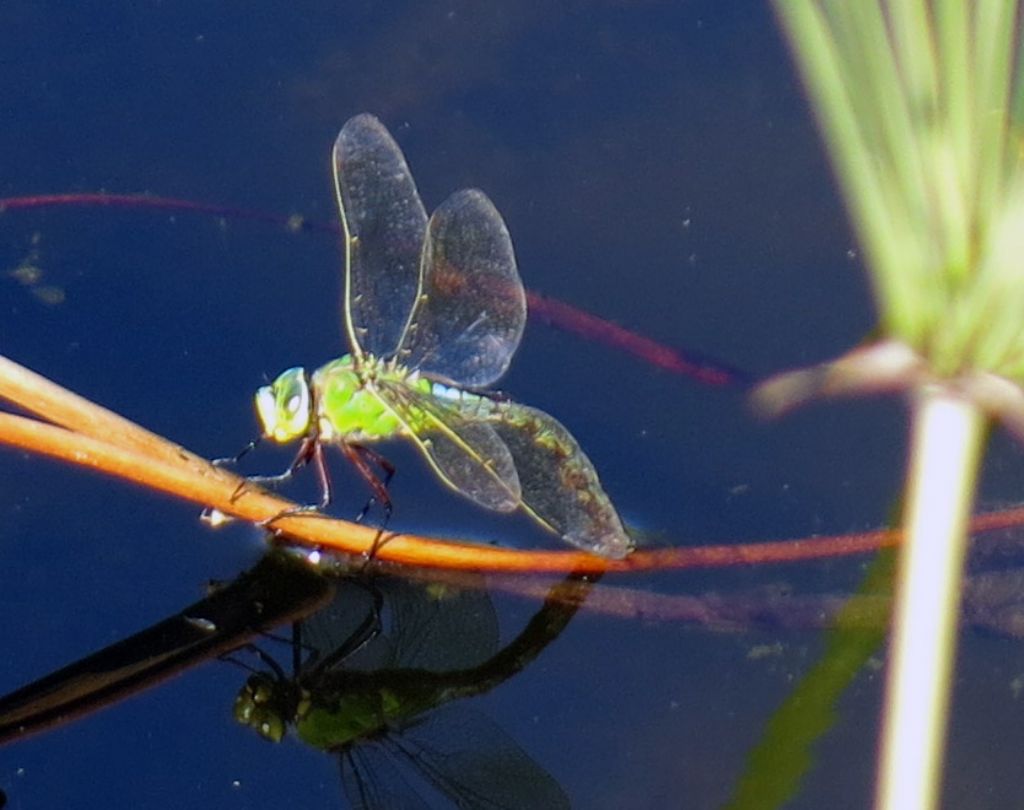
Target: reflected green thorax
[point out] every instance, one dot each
(329, 727)
(337, 708)
(331, 705)
(375, 681)
(372, 704)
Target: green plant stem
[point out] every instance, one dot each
(947, 438)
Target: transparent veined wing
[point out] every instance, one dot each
(456, 752)
(384, 222)
(343, 630)
(373, 780)
(428, 627)
(466, 454)
(441, 628)
(559, 485)
(469, 315)
(475, 763)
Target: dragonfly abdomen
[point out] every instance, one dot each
(463, 399)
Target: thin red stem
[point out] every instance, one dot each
(549, 311)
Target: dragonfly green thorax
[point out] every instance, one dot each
(434, 311)
(339, 403)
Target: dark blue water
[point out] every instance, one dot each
(656, 165)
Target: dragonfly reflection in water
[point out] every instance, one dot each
(280, 588)
(434, 311)
(381, 703)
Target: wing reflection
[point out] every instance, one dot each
(385, 709)
(377, 668)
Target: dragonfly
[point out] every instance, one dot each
(434, 309)
(382, 702)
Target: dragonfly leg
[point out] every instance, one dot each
(369, 628)
(379, 541)
(361, 458)
(311, 510)
(309, 450)
(374, 546)
(323, 475)
(229, 461)
(265, 658)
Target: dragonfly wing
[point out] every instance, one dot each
(468, 455)
(559, 485)
(431, 627)
(372, 780)
(469, 316)
(441, 629)
(475, 763)
(344, 630)
(384, 223)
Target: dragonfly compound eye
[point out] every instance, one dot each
(284, 406)
(260, 705)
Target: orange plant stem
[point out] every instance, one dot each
(95, 437)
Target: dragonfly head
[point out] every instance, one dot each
(263, 705)
(285, 407)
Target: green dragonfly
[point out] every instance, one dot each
(434, 311)
(381, 695)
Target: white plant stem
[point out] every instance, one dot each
(947, 437)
